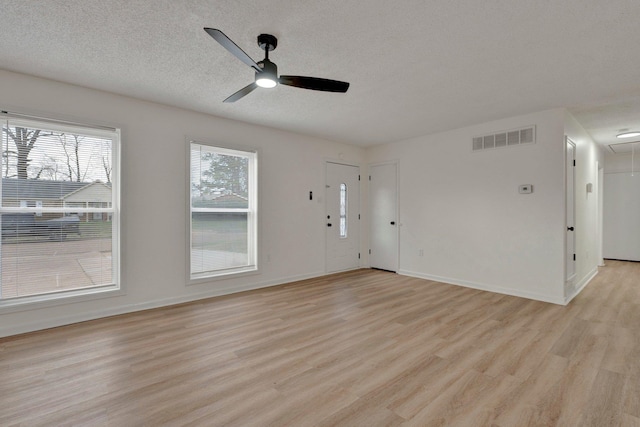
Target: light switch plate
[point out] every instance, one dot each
(525, 189)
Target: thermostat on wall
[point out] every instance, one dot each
(525, 189)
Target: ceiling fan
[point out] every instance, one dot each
(267, 71)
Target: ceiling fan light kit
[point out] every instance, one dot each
(266, 72)
(268, 77)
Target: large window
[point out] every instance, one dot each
(223, 211)
(58, 210)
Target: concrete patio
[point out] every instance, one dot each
(45, 266)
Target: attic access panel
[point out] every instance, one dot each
(624, 147)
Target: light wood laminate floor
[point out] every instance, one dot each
(364, 348)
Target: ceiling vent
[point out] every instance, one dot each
(506, 138)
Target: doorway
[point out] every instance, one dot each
(383, 196)
(342, 220)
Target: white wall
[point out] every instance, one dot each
(154, 173)
(589, 156)
(464, 210)
(621, 163)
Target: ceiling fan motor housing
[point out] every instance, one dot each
(269, 69)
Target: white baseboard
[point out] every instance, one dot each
(129, 308)
(484, 287)
(9, 330)
(581, 285)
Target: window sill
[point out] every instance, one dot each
(231, 274)
(60, 298)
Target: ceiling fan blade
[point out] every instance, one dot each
(314, 83)
(228, 44)
(242, 92)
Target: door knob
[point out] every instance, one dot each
(392, 223)
(570, 228)
(329, 224)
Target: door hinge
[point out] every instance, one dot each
(358, 216)
(358, 177)
(369, 177)
(574, 257)
(369, 251)
(358, 255)
(574, 163)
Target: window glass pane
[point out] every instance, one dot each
(52, 181)
(218, 241)
(52, 155)
(218, 180)
(343, 210)
(223, 219)
(54, 253)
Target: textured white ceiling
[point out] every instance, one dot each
(415, 67)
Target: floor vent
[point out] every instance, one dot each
(507, 138)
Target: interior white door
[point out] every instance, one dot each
(622, 216)
(343, 217)
(570, 203)
(600, 215)
(383, 194)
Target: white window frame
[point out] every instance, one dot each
(73, 295)
(251, 210)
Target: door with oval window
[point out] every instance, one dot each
(342, 220)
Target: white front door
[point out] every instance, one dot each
(383, 190)
(342, 221)
(570, 194)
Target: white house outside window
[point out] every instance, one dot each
(58, 210)
(223, 211)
